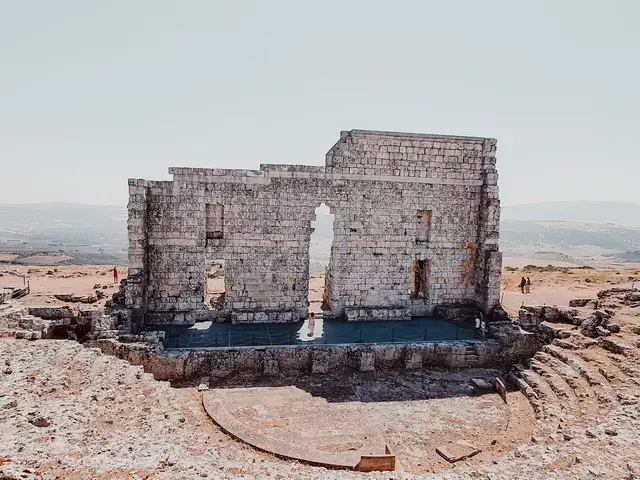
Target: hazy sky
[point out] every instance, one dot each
(92, 93)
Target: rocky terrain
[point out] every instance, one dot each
(71, 412)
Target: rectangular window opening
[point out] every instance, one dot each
(424, 229)
(215, 221)
(420, 279)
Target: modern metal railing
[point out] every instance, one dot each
(195, 339)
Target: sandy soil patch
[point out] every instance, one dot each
(559, 287)
(45, 282)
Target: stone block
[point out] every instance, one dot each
(456, 451)
(412, 359)
(367, 361)
(319, 362)
(270, 366)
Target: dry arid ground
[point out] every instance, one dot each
(548, 287)
(47, 281)
(70, 412)
(558, 285)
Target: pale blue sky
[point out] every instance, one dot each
(92, 93)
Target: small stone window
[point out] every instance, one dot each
(420, 279)
(215, 221)
(424, 229)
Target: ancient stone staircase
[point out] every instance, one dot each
(573, 382)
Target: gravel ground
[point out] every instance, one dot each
(72, 413)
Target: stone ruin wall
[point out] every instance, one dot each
(396, 198)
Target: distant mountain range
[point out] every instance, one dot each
(569, 231)
(87, 233)
(576, 232)
(588, 212)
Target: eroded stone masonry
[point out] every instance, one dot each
(416, 227)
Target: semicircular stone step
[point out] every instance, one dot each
(514, 380)
(600, 385)
(581, 388)
(551, 405)
(565, 394)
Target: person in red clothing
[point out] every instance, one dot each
(115, 274)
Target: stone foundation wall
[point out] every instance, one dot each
(313, 359)
(397, 198)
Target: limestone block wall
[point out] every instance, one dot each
(403, 203)
(319, 359)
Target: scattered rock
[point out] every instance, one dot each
(616, 291)
(589, 325)
(481, 385)
(460, 450)
(632, 297)
(33, 336)
(613, 327)
(500, 388)
(581, 302)
(626, 399)
(38, 421)
(72, 298)
(612, 432)
(615, 346)
(204, 384)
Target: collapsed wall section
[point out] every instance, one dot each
(398, 199)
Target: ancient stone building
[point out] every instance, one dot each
(416, 226)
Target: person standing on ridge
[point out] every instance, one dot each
(528, 285)
(115, 274)
(523, 283)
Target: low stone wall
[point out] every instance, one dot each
(362, 314)
(53, 313)
(314, 359)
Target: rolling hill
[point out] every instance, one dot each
(569, 231)
(619, 213)
(87, 233)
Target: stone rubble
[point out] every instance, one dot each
(70, 411)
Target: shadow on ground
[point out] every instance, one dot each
(385, 386)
